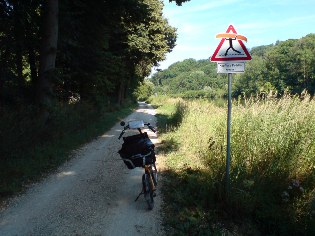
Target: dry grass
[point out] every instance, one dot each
(272, 169)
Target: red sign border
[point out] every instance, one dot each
(247, 58)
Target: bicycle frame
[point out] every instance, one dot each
(148, 170)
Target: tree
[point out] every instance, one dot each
(105, 48)
(253, 79)
(189, 78)
(19, 34)
(303, 63)
(285, 66)
(144, 90)
(122, 40)
(149, 37)
(48, 52)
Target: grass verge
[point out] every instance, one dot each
(272, 170)
(30, 148)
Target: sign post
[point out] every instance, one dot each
(230, 56)
(228, 136)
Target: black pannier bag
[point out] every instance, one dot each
(137, 150)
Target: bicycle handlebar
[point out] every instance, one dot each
(151, 127)
(123, 131)
(127, 127)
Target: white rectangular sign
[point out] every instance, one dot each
(230, 67)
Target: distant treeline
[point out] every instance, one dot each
(284, 66)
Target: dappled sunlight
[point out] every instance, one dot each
(108, 136)
(147, 111)
(155, 140)
(4, 222)
(136, 177)
(66, 173)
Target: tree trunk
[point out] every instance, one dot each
(121, 93)
(32, 61)
(19, 63)
(3, 74)
(48, 53)
(34, 75)
(19, 38)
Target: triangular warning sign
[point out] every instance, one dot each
(231, 47)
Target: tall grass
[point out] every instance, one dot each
(272, 169)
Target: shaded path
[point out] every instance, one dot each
(93, 194)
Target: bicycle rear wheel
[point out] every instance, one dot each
(148, 191)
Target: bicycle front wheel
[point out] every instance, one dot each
(148, 191)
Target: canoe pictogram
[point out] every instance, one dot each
(229, 35)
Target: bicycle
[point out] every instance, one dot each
(138, 151)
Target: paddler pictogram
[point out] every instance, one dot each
(231, 37)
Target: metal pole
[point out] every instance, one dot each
(228, 149)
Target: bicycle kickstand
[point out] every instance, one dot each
(139, 195)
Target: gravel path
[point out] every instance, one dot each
(93, 194)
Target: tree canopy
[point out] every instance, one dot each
(105, 48)
(286, 66)
(190, 78)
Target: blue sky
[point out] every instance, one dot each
(263, 22)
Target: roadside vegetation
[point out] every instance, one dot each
(272, 168)
(30, 147)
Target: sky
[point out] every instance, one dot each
(263, 22)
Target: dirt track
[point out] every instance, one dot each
(93, 194)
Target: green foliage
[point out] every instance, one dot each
(29, 147)
(190, 79)
(144, 91)
(272, 168)
(104, 47)
(122, 40)
(286, 66)
(19, 40)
